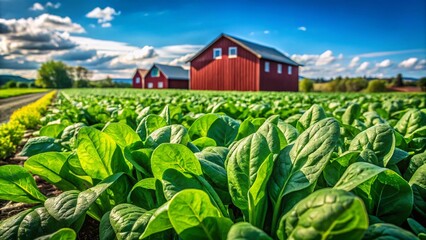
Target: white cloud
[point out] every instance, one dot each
(57, 23)
(37, 7)
(384, 64)
(145, 52)
(305, 59)
(354, 62)
(119, 59)
(321, 65)
(182, 60)
(106, 25)
(322, 59)
(327, 65)
(44, 22)
(262, 32)
(103, 46)
(27, 42)
(53, 5)
(363, 67)
(421, 65)
(302, 28)
(408, 63)
(174, 51)
(104, 16)
(37, 35)
(325, 58)
(389, 53)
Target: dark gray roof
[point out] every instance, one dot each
(264, 51)
(260, 51)
(173, 72)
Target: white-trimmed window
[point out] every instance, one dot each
(266, 66)
(155, 72)
(289, 70)
(232, 52)
(138, 80)
(279, 68)
(217, 53)
(160, 84)
(150, 85)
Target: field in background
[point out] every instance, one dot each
(324, 87)
(11, 92)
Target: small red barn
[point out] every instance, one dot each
(166, 76)
(234, 64)
(138, 77)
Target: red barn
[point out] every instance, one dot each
(230, 63)
(138, 77)
(166, 76)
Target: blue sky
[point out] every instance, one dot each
(330, 37)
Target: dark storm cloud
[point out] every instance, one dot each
(16, 64)
(4, 28)
(77, 55)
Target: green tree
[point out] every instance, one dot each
(81, 83)
(10, 84)
(422, 84)
(341, 85)
(22, 85)
(376, 85)
(54, 74)
(398, 81)
(356, 84)
(81, 73)
(81, 77)
(306, 85)
(107, 83)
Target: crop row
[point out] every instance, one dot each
(163, 165)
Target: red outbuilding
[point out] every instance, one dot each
(166, 76)
(138, 77)
(234, 64)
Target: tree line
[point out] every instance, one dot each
(356, 84)
(56, 74)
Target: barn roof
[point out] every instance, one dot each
(265, 52)
(260, 51)
(173, 72)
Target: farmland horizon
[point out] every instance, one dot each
(109, 38)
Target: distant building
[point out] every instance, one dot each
(138, 77)
(166, 76)
(234, 64)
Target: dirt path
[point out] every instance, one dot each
(9, 105)
(406, 89)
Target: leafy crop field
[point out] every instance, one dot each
(203, 165)
(12, 92)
